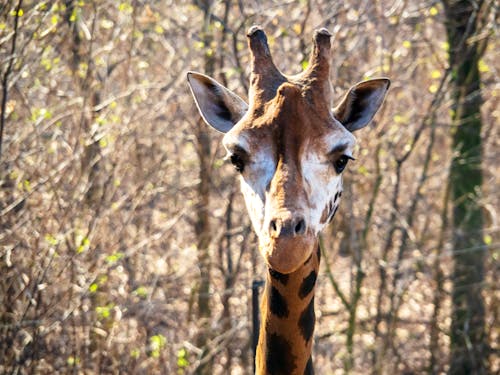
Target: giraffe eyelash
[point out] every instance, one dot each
(340, 163)
(238, 158)
(238, 162)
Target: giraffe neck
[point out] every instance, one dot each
(287, 323)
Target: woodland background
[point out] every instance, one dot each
(125, 246)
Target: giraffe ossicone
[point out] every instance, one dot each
(290, 148)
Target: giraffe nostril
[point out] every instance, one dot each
(273, 228)
(287, 228)
(300, 227)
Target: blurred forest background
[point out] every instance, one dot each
(125, 246)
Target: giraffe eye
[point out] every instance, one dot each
(238, 162)
(341, 163)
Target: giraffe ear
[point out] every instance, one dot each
(219, 107)
(361, 102)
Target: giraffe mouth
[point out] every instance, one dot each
(286, 255)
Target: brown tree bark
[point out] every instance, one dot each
(468, 339)
(202, 224)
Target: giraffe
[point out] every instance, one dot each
(290, 149)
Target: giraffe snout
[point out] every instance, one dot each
(288, 227)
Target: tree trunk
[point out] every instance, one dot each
(468, 339)
(202, 224)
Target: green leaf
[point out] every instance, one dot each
(182, 361)
(113, 258)
(72, 361)
(102, 312)
(103, 142)
(362, 170)
(218, 163)
(84, 245)
(159, 29)
(74, 15)
(483, 67)
(19, 13)
(400, 119)
(51, 240)
(27, 185)
(436, 74)
(141, 292)
(135, 353)
(487, 239)
(93, 288)
(125, 8)
(156, 344)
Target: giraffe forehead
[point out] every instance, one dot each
(289, 124)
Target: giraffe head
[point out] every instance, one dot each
(288, 144)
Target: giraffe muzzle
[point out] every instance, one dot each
(286, 254)
(289, 243)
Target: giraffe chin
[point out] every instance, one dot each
(286, 255)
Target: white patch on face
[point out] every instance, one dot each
(321, 181)
(255, 205)
(255, 178)
(321, 184)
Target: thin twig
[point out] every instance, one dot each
(5, 79)
(341, 295)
